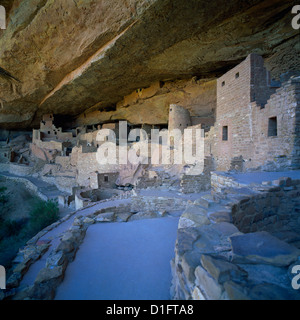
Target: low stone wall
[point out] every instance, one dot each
(275, 211)
(16, 169)
(33, 251)
(29, 185)
(215, 260)
(63, 184)
(157, 203)
(195, 184)
(50, 277)
(82, 202)
(220, 181)
(200, 182)
(157, 179)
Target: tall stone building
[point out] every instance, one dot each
(257, 120)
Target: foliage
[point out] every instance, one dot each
(43, 214)
(15, 233)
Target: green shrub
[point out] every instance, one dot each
(10, 228)
(15, 233)
(43, 214)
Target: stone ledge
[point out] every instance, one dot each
(224, 253)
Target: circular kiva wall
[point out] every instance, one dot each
(179, 118)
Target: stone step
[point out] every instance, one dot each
(240, 191)
(206, 201)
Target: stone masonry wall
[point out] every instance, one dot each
(219, 253)
(283, 150)
(139, 203)
(277, 212)
(243, 108)
(198, 183)
(179, 118)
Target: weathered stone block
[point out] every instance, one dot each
(210, 287)
(66, 246)
(123, 217)
(197, 294)
(56, 260)
(47, 274)
(144, 215)
(190, 261)
(193, 216)
(221, 216)
(222, 270)
(235, 291)
(106, 217)
(88, 220)
(261, 247)
(185, 239)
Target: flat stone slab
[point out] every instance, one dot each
(214, 238)
(221, 216)
(222, 270)
(123, 217)
(144, 215)
(88, 220)
(55, 260)
(261, 247)
(185, 240)
(212, 289)
(47, 274)
(106, 217)
(193, 216)
(287, 236)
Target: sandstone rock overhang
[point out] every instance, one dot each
(73, 55)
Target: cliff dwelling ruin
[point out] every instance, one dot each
(154, 110)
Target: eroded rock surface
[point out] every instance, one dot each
(71, 56)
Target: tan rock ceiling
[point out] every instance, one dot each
(71, 55)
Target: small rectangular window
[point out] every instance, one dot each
(237, 75)
(223, 83)
(225, 133)
(105, 178)
(272, 129)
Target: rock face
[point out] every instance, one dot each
(261, 247)
(216, 260)
(72, 56)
